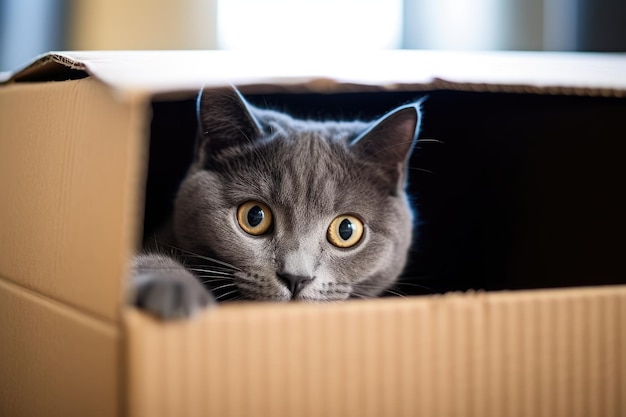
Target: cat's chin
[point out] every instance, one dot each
(284, 296)
(310, 299)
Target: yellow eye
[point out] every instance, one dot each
(254, 218)
(345, 231)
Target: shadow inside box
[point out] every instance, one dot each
(510, 191)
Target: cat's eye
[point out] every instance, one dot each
(345, 231)
(254, 218)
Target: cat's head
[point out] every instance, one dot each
(303, 210)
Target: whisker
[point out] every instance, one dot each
(224, 286)
(204, 265)
(210, 271)
(217, 261)
(173, 268)
(206, 258)
(213, 278)
(396, 293)
(428, 171)
(196, 255)
(412, 284)
(219, 297)
(360, 296)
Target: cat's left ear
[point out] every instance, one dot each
(390, 141)
(226, 119)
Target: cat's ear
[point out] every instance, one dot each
(390, 141)
(225, 119)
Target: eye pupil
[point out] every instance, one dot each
(255, 216)
(345, 231)
(346, 228)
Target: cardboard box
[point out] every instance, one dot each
(525, 193)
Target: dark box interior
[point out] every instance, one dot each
(522, 191)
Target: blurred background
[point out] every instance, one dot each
(31, 27)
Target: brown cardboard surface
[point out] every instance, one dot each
(54, 360)
(69, 177)
(533, 353)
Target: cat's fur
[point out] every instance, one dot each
(307, 173)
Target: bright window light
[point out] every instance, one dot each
(456, 24)
(309, 25)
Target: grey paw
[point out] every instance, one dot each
(171, 296)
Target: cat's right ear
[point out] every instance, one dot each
(225, 119)
(390, 141)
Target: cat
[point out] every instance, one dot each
(276, 208)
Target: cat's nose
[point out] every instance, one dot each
(294, 283)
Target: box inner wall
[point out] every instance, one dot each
(520, 192)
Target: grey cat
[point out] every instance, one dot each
(279, 209)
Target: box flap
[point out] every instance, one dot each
(48, 67)
(72, 160)
(174, 71)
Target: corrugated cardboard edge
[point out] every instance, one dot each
(432, 72)
(47, 67)
(532, 353)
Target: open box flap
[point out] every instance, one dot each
(162, 72)
(72, 162)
